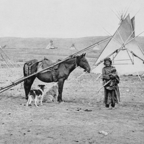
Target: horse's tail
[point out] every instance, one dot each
(26, 69)
(30, 67)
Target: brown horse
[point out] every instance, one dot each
(58, 73)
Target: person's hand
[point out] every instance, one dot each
(106, 77)
(112, 76)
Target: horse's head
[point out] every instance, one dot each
(83, 63)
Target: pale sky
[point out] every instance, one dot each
(65, 18)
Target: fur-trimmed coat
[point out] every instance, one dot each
(111, 90)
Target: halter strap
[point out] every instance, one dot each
(76, 62)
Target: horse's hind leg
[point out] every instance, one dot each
(27, 85)
(60, 90)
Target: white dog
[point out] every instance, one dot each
(36, 95)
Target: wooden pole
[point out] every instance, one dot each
(104, 85)
(136, 55)
(89, 47)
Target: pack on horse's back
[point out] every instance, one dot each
(28, 66)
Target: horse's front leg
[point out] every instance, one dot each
(60, 89)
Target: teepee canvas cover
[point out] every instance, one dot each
(73, 47)
(50, 45)
(133, 25)
(124, 61)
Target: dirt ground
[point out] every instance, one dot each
(78, 120)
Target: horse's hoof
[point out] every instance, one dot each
(60, 101)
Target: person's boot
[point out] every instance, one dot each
(113, 105)
(107, 105)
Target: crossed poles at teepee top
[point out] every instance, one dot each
(123, 47)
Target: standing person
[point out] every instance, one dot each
(110, 80)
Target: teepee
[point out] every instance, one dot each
(50, 45)
(73, 47)
(124, 51)
(9, 70)
(5, 60)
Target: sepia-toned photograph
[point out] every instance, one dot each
(72, 72)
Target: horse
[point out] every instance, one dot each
(58, 73)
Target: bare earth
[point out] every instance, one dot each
(78, 120)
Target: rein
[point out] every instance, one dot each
(76, 62)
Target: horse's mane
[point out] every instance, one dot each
(46, 59)
(70, 60)
(46, 62)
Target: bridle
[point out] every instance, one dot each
(76, 62)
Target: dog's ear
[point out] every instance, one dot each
(41, 86)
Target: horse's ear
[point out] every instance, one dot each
(84, 54)
(72, 56)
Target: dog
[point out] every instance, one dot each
(51, 94)
(36, 95)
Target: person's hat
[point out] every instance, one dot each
(107, 59)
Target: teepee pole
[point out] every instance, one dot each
(89, 47)
(6, 62)
(136, 55)
(129, 56)
(137, 12)
(107, 56)
(128, 8)
(12, 64)
(116, 54)
(134, 38)
(115, 14)
(111, 35)
(130, 36)
(139, 76)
